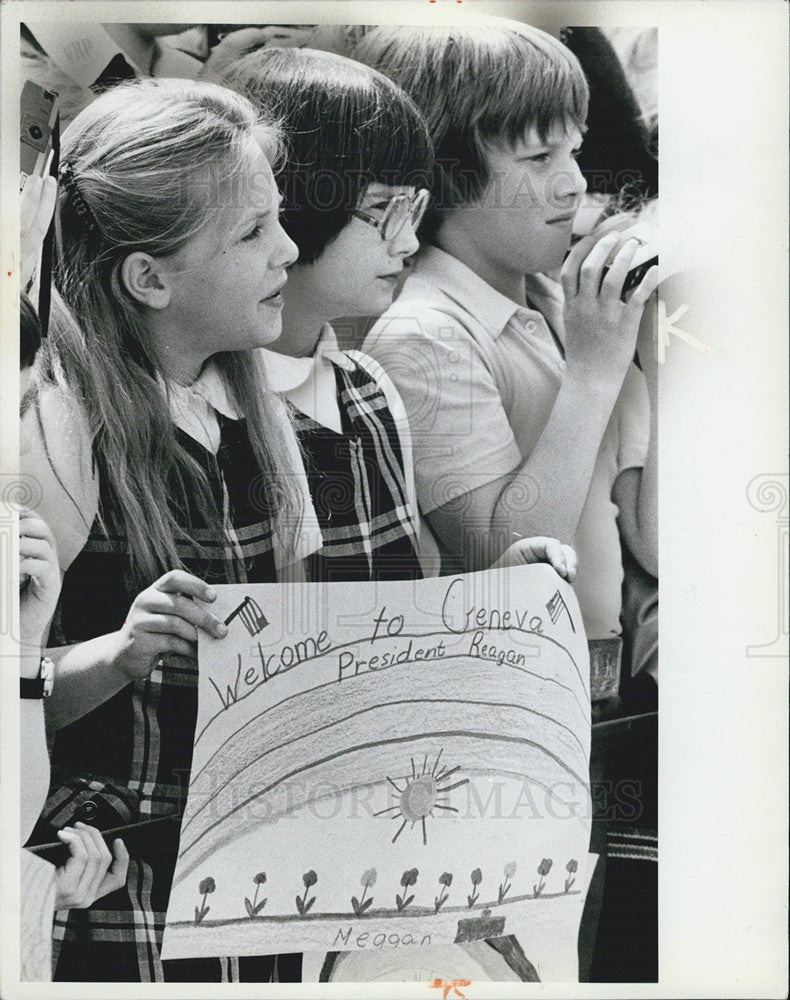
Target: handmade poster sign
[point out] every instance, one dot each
(387, 766)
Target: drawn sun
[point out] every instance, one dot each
(421, 794)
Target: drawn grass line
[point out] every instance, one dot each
(374, 708)
(367, 746)
(405, 635)
(382, 913)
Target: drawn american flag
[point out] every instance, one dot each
(555, 606)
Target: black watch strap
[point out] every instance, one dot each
(41, 686)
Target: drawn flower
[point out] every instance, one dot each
(543, 869)
(367, 881)
(571, 868)
(477, 878)
(504, 887)
(445, 880)
(408, 878)
(303, 904)
(206, 886)
(254, 907)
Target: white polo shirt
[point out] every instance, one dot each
(479, 376)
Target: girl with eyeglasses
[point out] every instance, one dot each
(357, 155)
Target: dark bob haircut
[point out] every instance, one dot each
(346, 126)
(478, 85)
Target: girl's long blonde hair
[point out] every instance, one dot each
(148, 165)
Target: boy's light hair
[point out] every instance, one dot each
(477, 85)
(150, 164)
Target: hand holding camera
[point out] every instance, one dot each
(607, 280)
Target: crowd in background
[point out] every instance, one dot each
(328, 302)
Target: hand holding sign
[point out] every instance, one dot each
(165, 618)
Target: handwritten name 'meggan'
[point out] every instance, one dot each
(366, 939)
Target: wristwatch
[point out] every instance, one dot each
(41, 686)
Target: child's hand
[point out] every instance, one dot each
(164, 619)
(534, 550)
(601, 329)
(36, 205)
(91, 871)
(39, 578)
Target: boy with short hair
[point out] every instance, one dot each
(527, 413)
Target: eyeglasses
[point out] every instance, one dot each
(400, 210)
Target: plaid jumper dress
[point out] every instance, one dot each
(357, 484)
(129, 759)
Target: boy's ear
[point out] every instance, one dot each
(145, 281)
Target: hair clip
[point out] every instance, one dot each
(68, 180)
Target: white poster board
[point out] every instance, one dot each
(388, 765)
